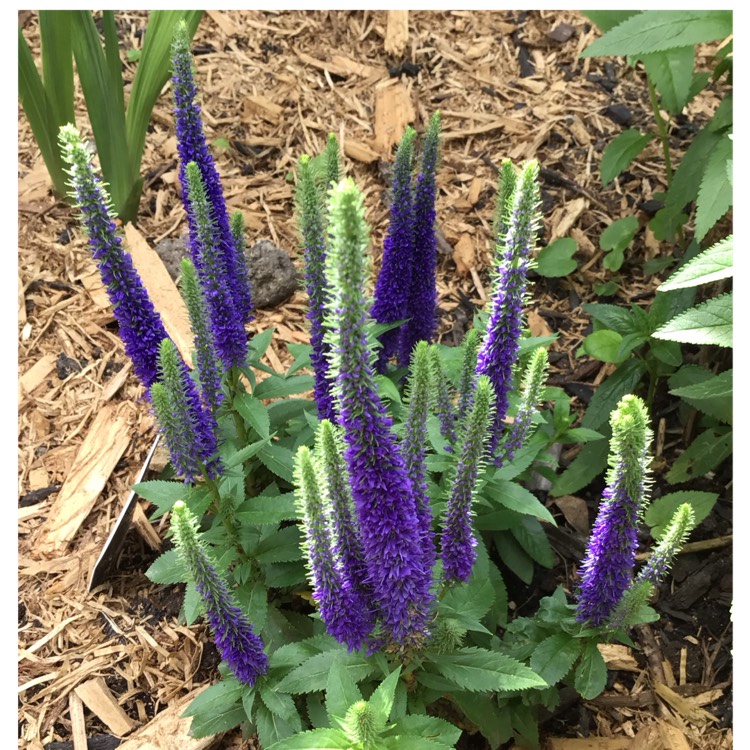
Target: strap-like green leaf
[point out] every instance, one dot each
(57, 64)
(715, 193)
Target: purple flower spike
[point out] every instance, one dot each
(191, 146)
(607, 569)
(394, 280)
(499, 350)
(235, 639)
(421, 307)
(381, 490)
(141, 328)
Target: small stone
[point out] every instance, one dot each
(171, 251)
(273, 277)
(619, 114)
(561, 33)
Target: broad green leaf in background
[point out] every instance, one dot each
(712, 264)
(704, 454)
(621, 382)
(341, 691)
(715, 193)
(556, 259)
(554, 656)
(603, 345)
(608, 19)
(612, 316)
(620, 152)
(591, 673)
(712, 395)
(660, 512)
(615, 238)
(672, 74)
(657, 30)
(707, 323)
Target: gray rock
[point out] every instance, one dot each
(273, 277)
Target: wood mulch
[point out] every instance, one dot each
(103, 664)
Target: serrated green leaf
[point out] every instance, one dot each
(707, 323)
(704, 454)
(161, 493)
(672, 74)
(591, 673)
(278, 386)
(216, 709)
(281, 546)
(660, 512)
(272, 728)
(193, 605)
(668, 352)
(281, 705)
(713, 395)
(657, 30)
(382, 699)
(168, 568)
(410, 742)
(254, 413)
(244, 453)
(580, 435)
(619, 234)
(554, 656)
(620, 152)
(588, 464)
(483, 712)
(477, 670)
(608, 19)
(556, 259)
(603, 345)
(515, 497)
(714, 263)
(314, 739)
(312, 674)
(279, 460)
(262, 510)
(715, 193)
(428, 727)
(621, 382)
(259, 343)
(612, 316)
(341, 691)
(513, 555)
(530, 535)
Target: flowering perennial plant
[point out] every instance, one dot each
(371, 516)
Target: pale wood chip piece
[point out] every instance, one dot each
(576, 512)
(222, 21)
(77, 722)
(360, 152)
(106, 441)
(36, 375)
(97, 696)
(162, 290)
(397, 32)
(393, 112)
(464, 256)
(617, 656)
(590, 743)
(686, 707)
(168, 731)
(538, 325)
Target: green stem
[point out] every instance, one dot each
(233, 378)
(661, 126)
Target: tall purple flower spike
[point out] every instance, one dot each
(607, 569)
(499, 351)
(381, 490)
(141, 328)
(191, 146)
(235, 639)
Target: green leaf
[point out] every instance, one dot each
(243, 454)
(713, 396)
(57, 65)
(514, 496)
(712, 264)
(162, 494)
(619, 234)
(660, 512)
(216, 709)
(428, 727)
(382, 699)
(608, 19)
(279, 460)
(672, 74)
(707, 323)
(312, 674)
(282, 546)
(277, 386)
(341, 691)
(591, 673)
(603, 345)
(580, 435)
(281, 705)
(254, 413)
(193, 605)
(657, 30)
(614, 317)
(668, 352)
(168, 568)
(554, 656)
(621, 382)
(556, 259)
(477, 670)
(272, 728)
(483, 712)
(514, 556)
(620, 152)
(704, 454)
(262, 510)
(314, 739)
(588, 464)
(530, 535)
(259, 343)
(607, 289)
(715, 194)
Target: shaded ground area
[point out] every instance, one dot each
(273, 84)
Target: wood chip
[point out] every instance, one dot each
(570, 215)
(36, 375)
(221, 19)
(360, 152)
(617, 656)
(393, 112)
(98, 698)
(660, 736)
(590, 743)
(92, 283)
(106, 441)
(686, 707)
(263, 106)
(77, 722)
(169, 731)
(396, 32)
(464, 255)
(537, 324)
(507, 124)
(162, 290)
(532, 85)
